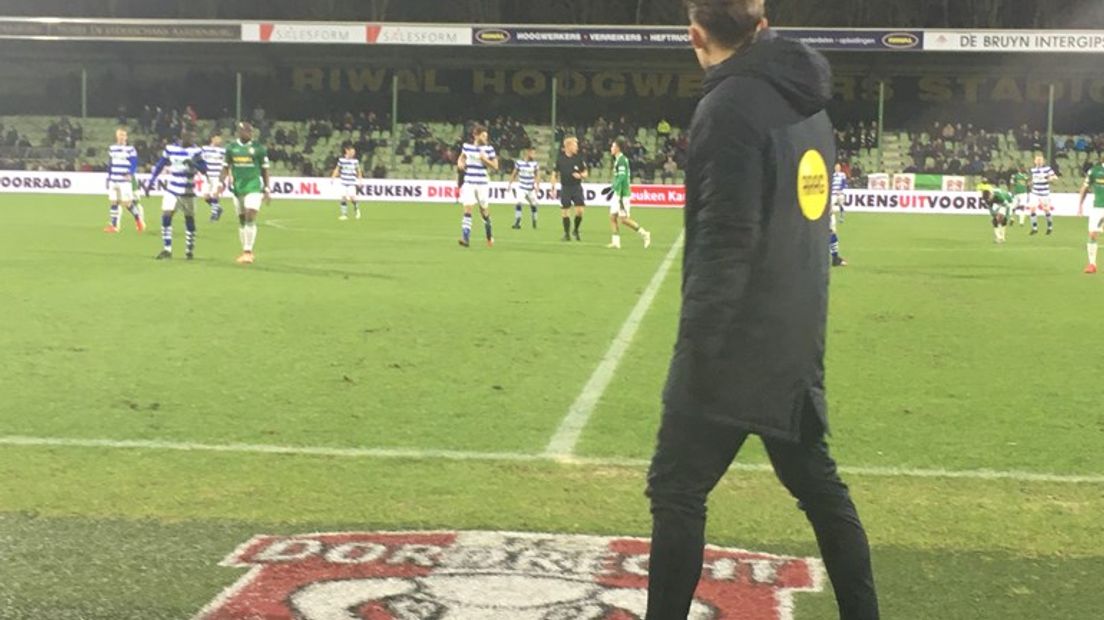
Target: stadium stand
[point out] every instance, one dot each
(428, 149)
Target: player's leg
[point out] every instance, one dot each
(565, 215)
(251, 208)
(1096, 224)
(354, 202)
(213, 198)
(580, 206)
(690, 458)
(126, 201)
(615, 227)
(834, 243)
(114, 212)
(168, 208)
(1021, 203)
(996, 227)
(1048, 209)
(1035, 202)
(808, 472)
(531, 198)
(467, 198)
(519, 208)
(344, 213)
(481, 195)
(187, 207)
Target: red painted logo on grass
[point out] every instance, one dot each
(490, 576)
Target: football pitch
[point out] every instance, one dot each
(372, 376)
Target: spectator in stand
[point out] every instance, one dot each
(121, 115)
(948, 132)
(145, 121)
(670, 168)
(190, 115)
(663, 129)
(23, 142)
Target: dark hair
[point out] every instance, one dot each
(478, 129)
(621, 143)
(731, 22)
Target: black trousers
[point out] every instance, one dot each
(692, 455)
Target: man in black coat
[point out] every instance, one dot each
(749, 358)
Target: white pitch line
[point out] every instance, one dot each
(517, 457)
(275, 224)
(578, 415)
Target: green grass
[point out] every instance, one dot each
(945, 352)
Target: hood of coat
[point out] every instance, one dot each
(798, 72)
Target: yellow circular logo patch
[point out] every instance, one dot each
(812, 185)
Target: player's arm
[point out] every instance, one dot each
(1081, 196)
(513, 177)
(262, 161)
(360, 172)
(584, 173)
(462, 162)
(490, 161)
(161, 163)
(337, 167)
(133, 168)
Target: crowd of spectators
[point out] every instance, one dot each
(662, 165)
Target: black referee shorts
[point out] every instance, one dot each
(572, 196)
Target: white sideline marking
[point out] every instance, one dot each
(518, 457)
(578, 415)
(276, 224)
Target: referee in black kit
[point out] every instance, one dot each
(749, 358)
(571, 170)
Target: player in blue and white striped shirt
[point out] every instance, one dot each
(839, 183)
(182, 160)
(527, 175)
(122, 164)
(477, 157)
(349, 171)
(1041, 176)
(215, 157)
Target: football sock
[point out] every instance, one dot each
(216, 209)
(487, 226)
(517, 214)
(578, 222)
(465, 227)
(1034, 222)
(833, 245)
(1022, 216)
(114, 217)
(166, 231)
(189, 237)
(534, 208)
(567, 225)
(344, 208)
(250, 236)
(616, 241)
(1050, 221)
(134, 211)
(356, 208)
(1092, 252)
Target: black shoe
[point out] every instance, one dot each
(1034, 231)
(463, 243)
(534, 224)
(1050, 230)
(566, 237)
(837, 261)
(189, 256)
(577, 237)
(164, 255)
(516, 226)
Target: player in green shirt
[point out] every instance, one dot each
(1093, 179)
(999, 202)
(247, 164)
(1020, 184)
(620, 197)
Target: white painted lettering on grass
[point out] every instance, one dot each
(422, 454)
(571, 428)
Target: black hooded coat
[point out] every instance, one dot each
(750, 346)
